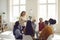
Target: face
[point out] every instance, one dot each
(40, 19)
(23, 13)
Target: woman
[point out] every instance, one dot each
(46, 32)
(23, 19)
(17, 31)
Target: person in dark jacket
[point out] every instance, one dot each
(17, 31)
(29, 29)
(15, 27)
(52, 21)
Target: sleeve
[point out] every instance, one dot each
(14, 30)
(24, 19)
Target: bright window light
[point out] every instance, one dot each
(42, 1)
(16, 6)
(51, 1)
(42, 12)
(51, 11)
(47, 10)
(15, 13)
(22, 8)
(15, 2)
(22, 1)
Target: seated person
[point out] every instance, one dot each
(29, 29)
(52, 22)
(47, 31)
(41, 25)
(17, 31)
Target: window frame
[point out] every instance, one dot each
(56, 9)
(11, 12)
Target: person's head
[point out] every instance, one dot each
(30, 17)
(33, 20)
(23, 13)
(16, 23)
(46, 22)
(52, 21)
(41, 19)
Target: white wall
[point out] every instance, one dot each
(58, 27)
(59, 11)
(58, 24)
(0, 6)
(31, 6)
(4, 8)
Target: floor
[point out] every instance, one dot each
(8, 35)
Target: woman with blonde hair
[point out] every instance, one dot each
(23, 19)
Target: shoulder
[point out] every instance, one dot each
(49, 28)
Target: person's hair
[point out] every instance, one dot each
(33, 20)
(16, 23)
(40, 18)
(30, 17)
(46, 22)
(52, 21)
(22, 13)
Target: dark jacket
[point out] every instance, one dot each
(29, 29)
(17, 29)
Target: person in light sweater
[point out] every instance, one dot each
(46, 32)
(23, 19)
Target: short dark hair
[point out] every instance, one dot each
(52, 21)
(46, 22)
(16, 23)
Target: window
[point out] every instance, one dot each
(47, 9)
(16, 6)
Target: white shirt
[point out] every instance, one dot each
(22, 21)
